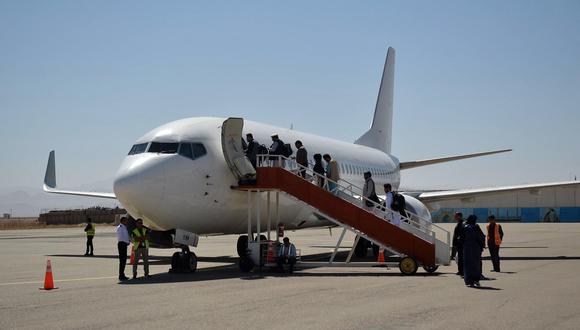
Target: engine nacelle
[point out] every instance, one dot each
(415, 206)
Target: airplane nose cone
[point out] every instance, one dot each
(139, 185)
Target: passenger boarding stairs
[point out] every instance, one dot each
(425, 243)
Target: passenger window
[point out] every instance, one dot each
(185, 150)
(138, 149)
(163, 148)
(198, 150)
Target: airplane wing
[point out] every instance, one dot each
(50, 183)
(425, 162)
(508, 196)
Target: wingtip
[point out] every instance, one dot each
(50, 174)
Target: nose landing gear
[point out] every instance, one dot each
(184, 261)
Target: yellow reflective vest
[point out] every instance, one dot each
(137, 234)
(91, 230)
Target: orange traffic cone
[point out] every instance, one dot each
(381, 258)
(48, 280)
(132, 259)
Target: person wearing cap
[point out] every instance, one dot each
(276, 149)
(123, 241)
(457, 248)
(473, 244)
(301, 158)
(140, 241)
(90, 231)
(494, 238)
(286, 255)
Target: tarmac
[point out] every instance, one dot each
(539, 287)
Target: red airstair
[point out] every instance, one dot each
(416, 240)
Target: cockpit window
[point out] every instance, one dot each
(138, 149)
(163, 148)
(198, 149)
(192, 150)
(185, 150)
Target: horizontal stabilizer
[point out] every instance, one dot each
(425, 162)
(50, 183)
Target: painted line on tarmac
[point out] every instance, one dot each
(67, 280)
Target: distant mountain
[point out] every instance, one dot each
(29, 202)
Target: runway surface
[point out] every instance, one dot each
(539, 288)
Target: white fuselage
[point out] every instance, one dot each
(170, 191)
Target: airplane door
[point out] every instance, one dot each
(233, 151)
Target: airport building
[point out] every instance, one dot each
(532, 205)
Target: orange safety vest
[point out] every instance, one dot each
(496, 233)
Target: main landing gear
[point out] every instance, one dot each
(242, 245)
(184, 261)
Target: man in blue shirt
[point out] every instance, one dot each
(286, 255)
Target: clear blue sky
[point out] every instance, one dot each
(87, 78)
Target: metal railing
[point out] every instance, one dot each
(353, 194)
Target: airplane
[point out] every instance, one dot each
(179, 176)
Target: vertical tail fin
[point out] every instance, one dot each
(379, 135)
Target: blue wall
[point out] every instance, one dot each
(527, 214)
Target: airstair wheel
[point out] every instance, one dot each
(408, 266)
(430, 269)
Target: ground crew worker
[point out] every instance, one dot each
(494, 237)
(457, 248)
(140, 240)
(90, 231)
(286, 255)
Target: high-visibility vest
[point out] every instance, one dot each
(137, 234)
(91, 231)
(496, 233)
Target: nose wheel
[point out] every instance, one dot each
(184, 261)
(242, 245)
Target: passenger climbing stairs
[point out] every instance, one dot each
(417, 240)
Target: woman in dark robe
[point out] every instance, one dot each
(319, 169)
(473, 244)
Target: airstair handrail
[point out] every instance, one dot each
(414, 220)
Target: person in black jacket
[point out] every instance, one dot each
(457, 249)
(319, 169)
(251, 149)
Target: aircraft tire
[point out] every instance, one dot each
(192, 262)
(242, 245)
(430, 269)
(246, 264)
(408, 266)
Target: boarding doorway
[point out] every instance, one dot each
(233, 150)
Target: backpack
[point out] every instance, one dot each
(398, 203)
(287, 151)
(262, 150)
